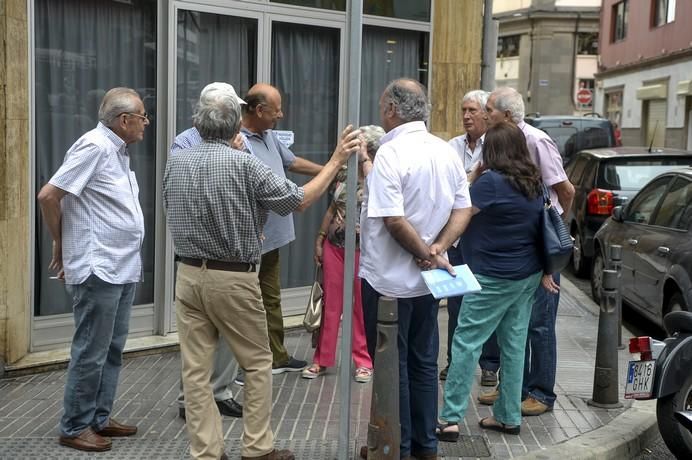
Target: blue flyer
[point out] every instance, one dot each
(443, 285)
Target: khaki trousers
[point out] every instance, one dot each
(209, 303)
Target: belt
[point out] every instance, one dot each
(220, 265)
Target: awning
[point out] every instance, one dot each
(684, 88)
(659, 91)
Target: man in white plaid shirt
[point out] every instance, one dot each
(216, 200)
(91, 207)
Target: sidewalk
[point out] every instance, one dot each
(306, 412)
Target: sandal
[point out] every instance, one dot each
(363, 375)
(313, 371)
(447, 436)
(489, 423)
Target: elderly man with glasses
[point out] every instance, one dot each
(91, 206)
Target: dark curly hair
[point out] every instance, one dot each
(505, 151)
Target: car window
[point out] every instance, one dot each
(644, 204)
(676, 208)
(561, 135)
(575, 171)
(632, 174)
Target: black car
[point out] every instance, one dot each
(605, 178)
(572, 134)
(655, 232)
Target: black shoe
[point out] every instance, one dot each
(181, 412)
(443, 373)
(240, 378)
(292, 365)
(230, 408)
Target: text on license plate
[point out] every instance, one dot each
(640, 379)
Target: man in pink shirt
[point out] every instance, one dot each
(540, 362)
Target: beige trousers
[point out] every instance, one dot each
(209, 303)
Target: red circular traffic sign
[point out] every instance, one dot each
(584, 96)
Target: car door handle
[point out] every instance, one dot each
(632, 242)
(663, 250)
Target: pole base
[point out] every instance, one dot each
(615, 405)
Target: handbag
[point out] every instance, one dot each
(557, 242)
(313, 313)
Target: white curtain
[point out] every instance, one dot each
(305, 68)
(84, 48)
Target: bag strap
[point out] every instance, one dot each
(546, 195)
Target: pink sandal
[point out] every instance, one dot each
(363, 375)
(313, 371)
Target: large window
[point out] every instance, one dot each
(84, 48)
(212, 47)
(508, 46)
(305, 68)
(620, 15)
(417, 10)
(587, 43)
(339, 5)
(664, 12)
(389, 54)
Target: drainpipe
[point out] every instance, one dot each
(489, 52)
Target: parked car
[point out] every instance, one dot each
(655, 232)
(605, 178)
(572, 134)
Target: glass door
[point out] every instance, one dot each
(211, 44)
(306, 63)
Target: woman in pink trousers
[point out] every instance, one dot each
(329, 252)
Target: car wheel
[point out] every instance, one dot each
(677, 438)
(580, 263)
(676, 303)
(597, 276)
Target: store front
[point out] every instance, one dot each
(167, 51)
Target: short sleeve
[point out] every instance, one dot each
(385, 197)
(483, 190)
(287, 156)
(549, 162)
(80, 165)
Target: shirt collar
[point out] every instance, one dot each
(110, 134)
(249, 133)
(406, 128)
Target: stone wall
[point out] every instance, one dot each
(15, 190)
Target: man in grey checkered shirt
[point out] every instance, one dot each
(216, 201)
(91, 207)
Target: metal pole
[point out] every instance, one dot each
(489, 47)
(615, 256)
(355, 35)
(384, 429)
(605, 381)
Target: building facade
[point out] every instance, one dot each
(644, 83)
(60, 58)
(548, 51)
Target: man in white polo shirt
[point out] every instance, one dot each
(416, 190)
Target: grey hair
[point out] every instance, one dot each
(509, 99)
(116, 102)
(409, 104)
(478, 96)
(372, 135)
(217, 115)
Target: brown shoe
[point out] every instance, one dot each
(87, 440)
(364, 452)
(274, 455)
(117, 430)
(531, 406)
(488, 397)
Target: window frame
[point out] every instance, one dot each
(620, 16)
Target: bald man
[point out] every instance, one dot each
(260, 114)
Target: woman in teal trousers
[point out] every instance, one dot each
(502, 246)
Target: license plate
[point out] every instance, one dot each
(640, 379)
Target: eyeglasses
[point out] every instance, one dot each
(143, 117)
